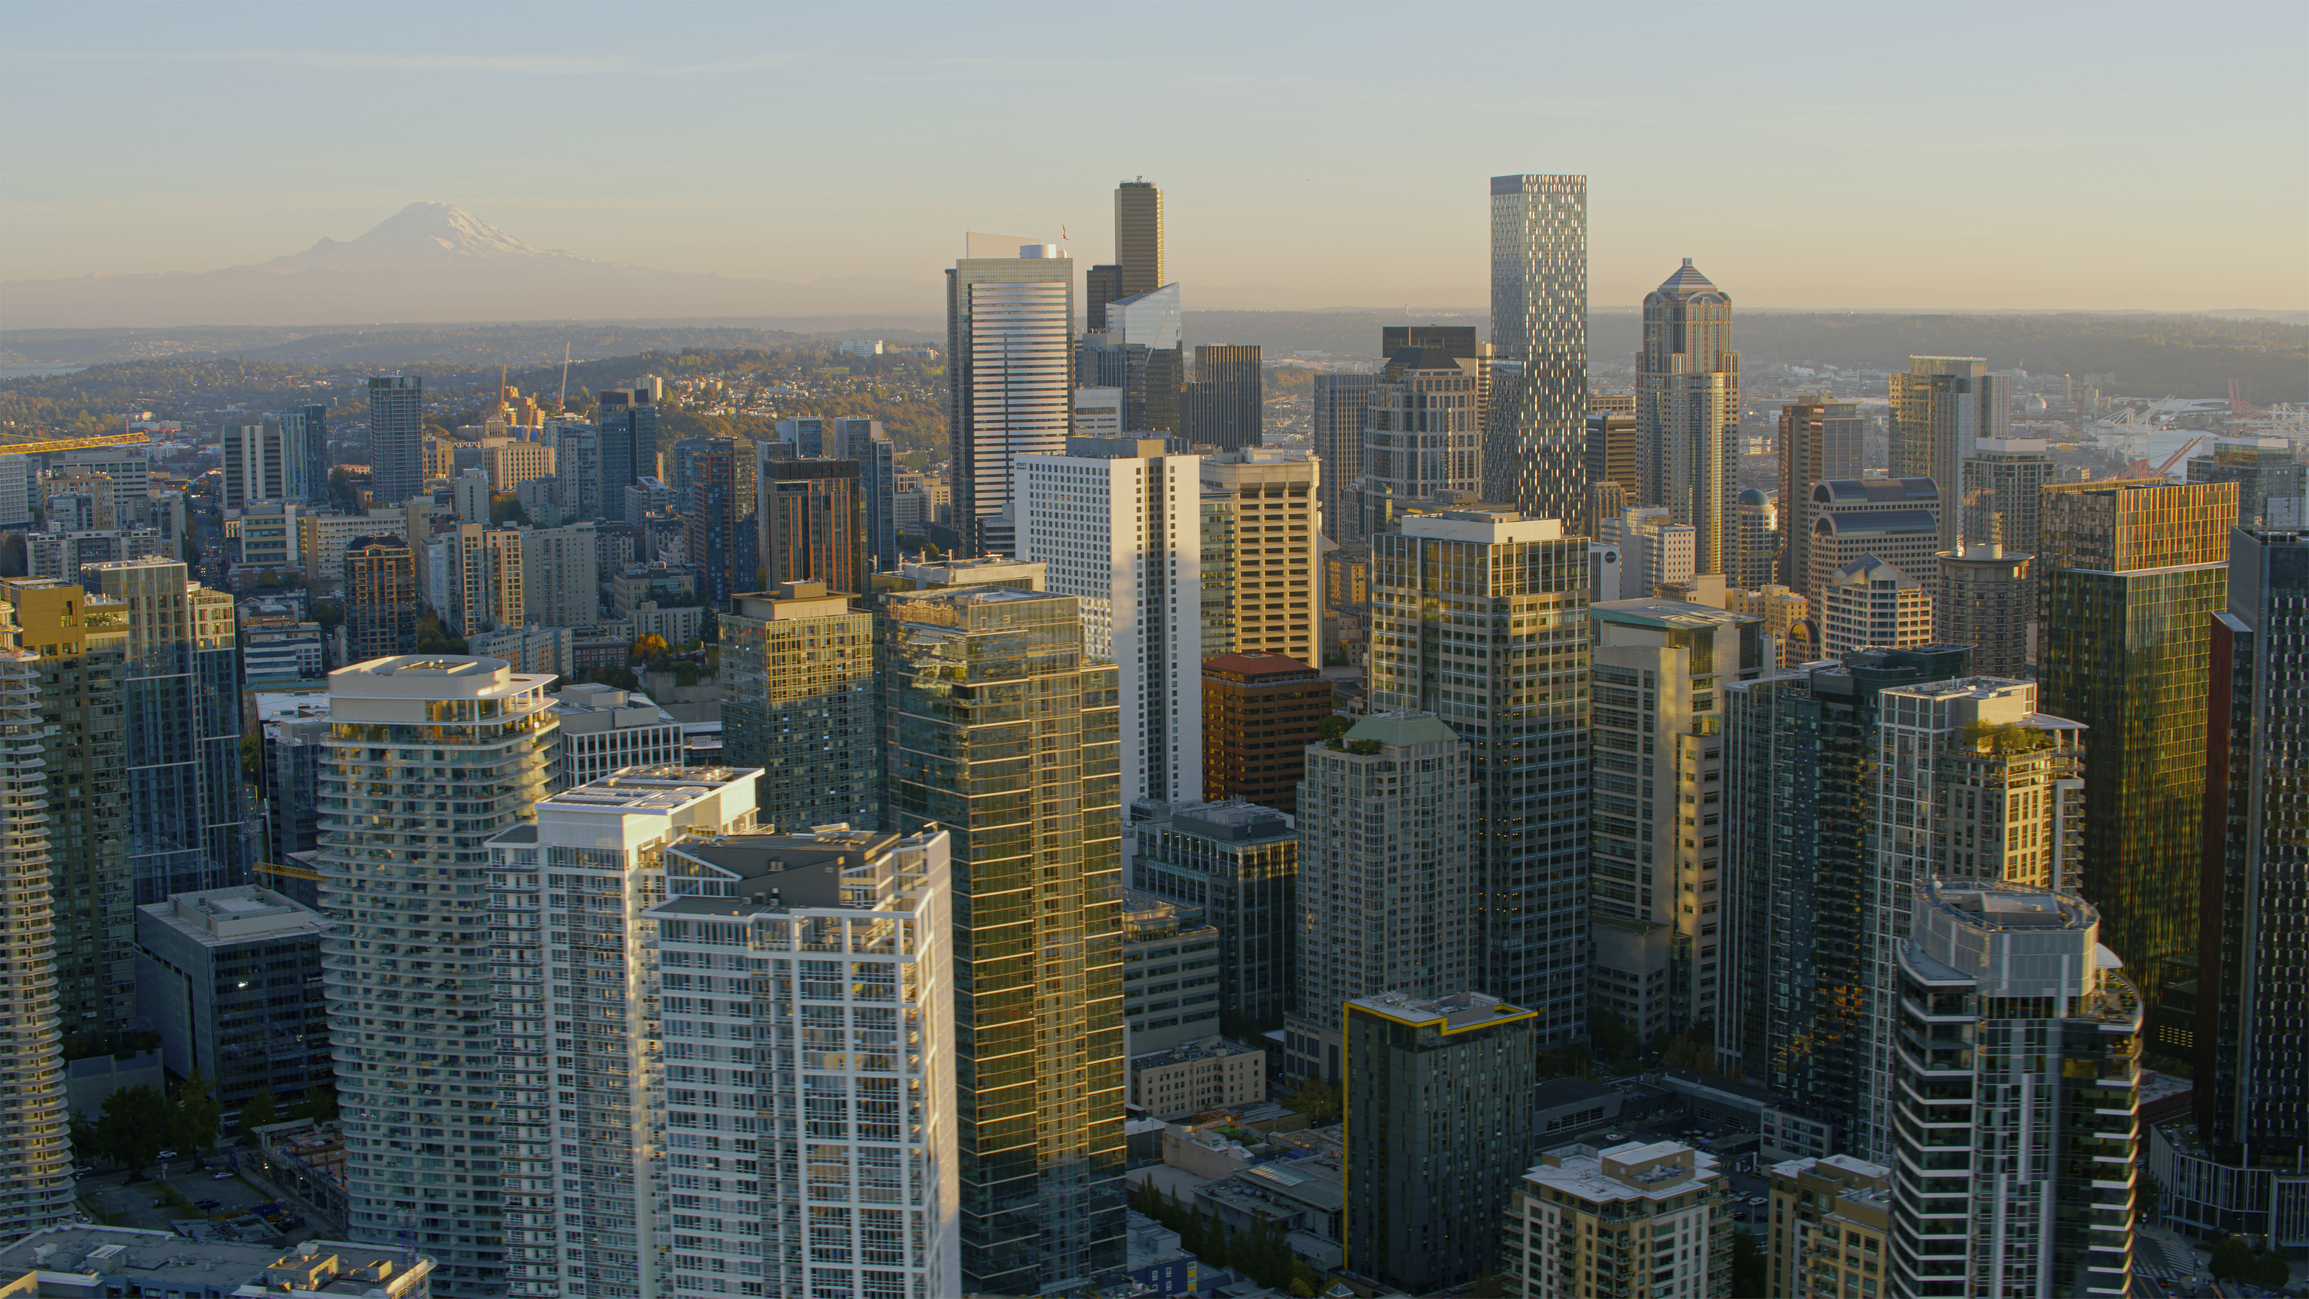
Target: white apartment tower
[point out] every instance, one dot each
(428, 758)
(806, 988)
(1116, 524)
(1387, 875)
(1973, 786)
(2017, 1081)
(36, 1189)
(1009, 343)
(578, 1024)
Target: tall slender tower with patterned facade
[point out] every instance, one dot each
(1688, 411)
(1536, 430)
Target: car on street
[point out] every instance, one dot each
(83, 1171)
(220, 1177)
(1757, 1200)
(166, 1154)
(208, 1204)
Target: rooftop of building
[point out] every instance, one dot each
(1319, 1183)
(163, 1262)
(435, 676)
(291, 705)
(1868, 569)
(1879, 523)
(587, 705)
(1632, 1170)
(1402, 730)
(1146, 917)
(1996, 906)
(1231, 820)
(1255, 666)
(1870, 491)
(1675, 615)
(1482, 524)
(1567, 1091)
(750, 874)
(1452, 1013)
(791, 600)
(1686, 281)
(241, 913)
(663, 790)
(1209, 1048)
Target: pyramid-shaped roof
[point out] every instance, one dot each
(1687, 281)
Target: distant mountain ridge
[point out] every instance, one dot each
(435, 262)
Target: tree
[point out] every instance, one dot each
(505, 507)
(1749, 1276)
(133, 1128)
(87, 1147)
(647, 647)
(194, 1123)
(1334, 726)
(319, 1105)
(2233, 1258)
(1318, 1100)
(2270, 1270)
(259, 1110)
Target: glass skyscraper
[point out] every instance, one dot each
(1537, 421)
(1000, 732)
(1010, 390)
(396, 437)
(2131, 575)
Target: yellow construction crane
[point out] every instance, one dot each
(72, 444)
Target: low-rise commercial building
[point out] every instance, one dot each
(1198, 1077)
(110, 1262)
(604, 728)
(1170, 974)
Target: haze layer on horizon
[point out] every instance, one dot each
(1861, 156)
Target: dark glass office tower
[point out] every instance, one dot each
(1338, 440)
(999, 732)
(1222, 407)
(1798, 811)
(396, 437)
(713, 491)
(305, 430)
(2130, 576)
(627, 425)
(1138, 236)
(1101, 285)
(2252, 1093)
(183, 702)
(1532, 443)
(1140, 353)
(380, 599)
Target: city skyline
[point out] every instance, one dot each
(77, 201)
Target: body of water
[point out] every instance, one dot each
(35, 371)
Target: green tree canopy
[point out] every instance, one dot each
(133, 1126)
(193, 1123)
(259, 1110)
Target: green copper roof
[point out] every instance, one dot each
(1402, 729)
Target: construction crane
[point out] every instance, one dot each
(2143, 469)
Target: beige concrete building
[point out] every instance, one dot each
(1870, 604)
(1277, 573)
(1626, 1221)
(1830, 1229)
(1198, 1077)
(512, 463)
(1987, 599)
(1658, 668)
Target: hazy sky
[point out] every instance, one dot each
(1861, 155)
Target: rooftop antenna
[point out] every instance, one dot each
(564, 399)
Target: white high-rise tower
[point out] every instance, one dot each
(1010, 370)
(1115, 523)
(428, 757)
